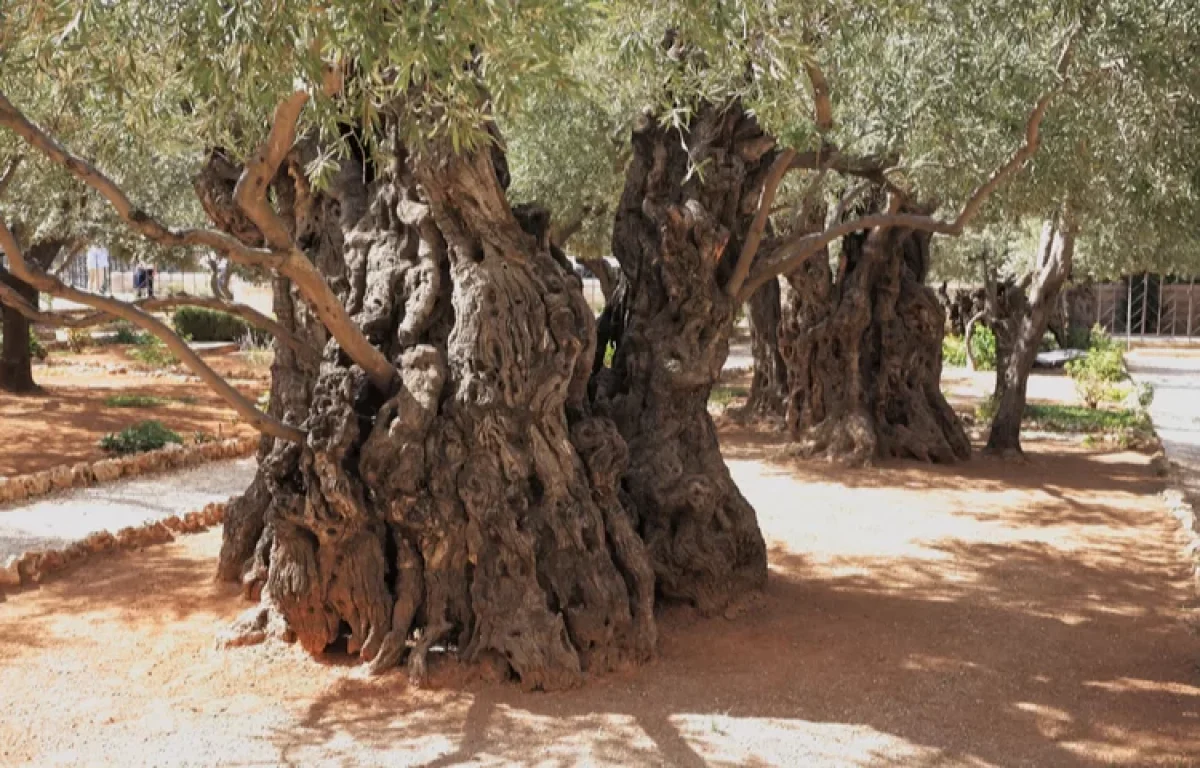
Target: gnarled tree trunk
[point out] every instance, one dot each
(864, 354)
(1021, 331)
(476, 507)
(676, 235)
(16, 358)
(769, 386)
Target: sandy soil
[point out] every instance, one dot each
(992, 614)
(62, 423)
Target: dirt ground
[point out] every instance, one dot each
(987, 614)
(63, 423)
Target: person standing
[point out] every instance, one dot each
(97, 267)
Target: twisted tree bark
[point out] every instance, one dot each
(769, 385)
(476, 505)
(16, 358)
(864, 355)
(676, 236)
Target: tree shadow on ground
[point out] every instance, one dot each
(156, 585)
(1009, 654)
(1049, 465)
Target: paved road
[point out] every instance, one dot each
(54, 522)
(1176, 407)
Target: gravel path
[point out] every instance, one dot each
(1176, 407)
(60, 520)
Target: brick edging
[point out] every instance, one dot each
(85, 474)
(34, 566)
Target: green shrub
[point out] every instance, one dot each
(139, 438)
(151, 351)
(1049, 343)
(1145, 395)
(78, 339)
(1097, 376)
(200, 324)
(610, 351)
(983, 344)
(134, 401)
(954, 351)
(125, 334)
(36, 349)
(1073, 418)
(723, 395)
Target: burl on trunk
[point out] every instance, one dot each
(476, 507)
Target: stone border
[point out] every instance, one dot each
(1182, 510)
(83, 474)
(34, 566)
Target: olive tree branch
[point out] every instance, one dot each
(55, 287)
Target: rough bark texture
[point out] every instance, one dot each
(476, 507)
(1023, 322)
(675, 237)
(769, 387)
(16, 359)
(863, 347)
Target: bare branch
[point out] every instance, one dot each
(822, 106)
(794, 251)
(55, 287)
(779, 168)
(244, 311)
(288, 260)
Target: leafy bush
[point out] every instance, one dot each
(151, 351)
(125, 334)
(723, 395)
(139, 438)
(200, 324)
(134, 401)
(954, 351)
(77, 339)
(1097, 376)
(1073, 418)
(983, 345)
(1145, 395)
(36, 349)
(1049, 343)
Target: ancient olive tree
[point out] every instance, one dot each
(1115, 183)
(443, 464)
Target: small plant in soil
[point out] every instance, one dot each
(143, 436)
(36, 348)
(78, 339)
(134, 401)
(723, 396)
(152, 352)
(1098, 377)
(125, 334)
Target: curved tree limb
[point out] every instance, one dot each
(289, 261)
(796, 250)
(244, 311)
(55, 287)
(822, 106)
(779, 168)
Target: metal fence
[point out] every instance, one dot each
(1150, 306)
(118, 279)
